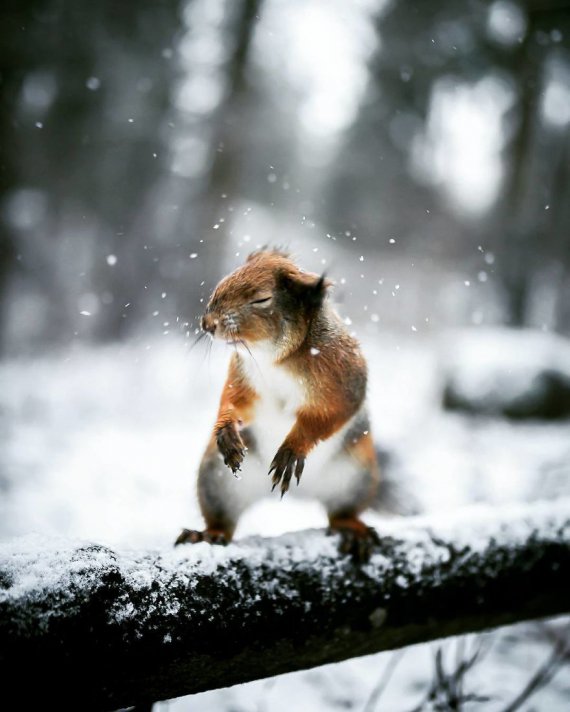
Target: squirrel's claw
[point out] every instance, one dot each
(286, 463)
(231, 447)
(358, 543)
(299, 469)
(193, 536)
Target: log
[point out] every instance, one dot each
(86, 627)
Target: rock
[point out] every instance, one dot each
(518, 374)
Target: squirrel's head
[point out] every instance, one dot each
(269, 298)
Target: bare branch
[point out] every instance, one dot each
(559, 656)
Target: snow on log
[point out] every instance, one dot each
(520, 374)
(86, 627)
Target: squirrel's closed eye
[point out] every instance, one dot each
(262, 301)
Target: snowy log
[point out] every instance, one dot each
(85, 627)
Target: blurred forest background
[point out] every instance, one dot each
(146, 147)
(419, 152)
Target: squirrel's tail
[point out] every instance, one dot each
(393, 496)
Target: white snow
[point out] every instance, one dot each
(37, 565)
(491, 367)
(102, 445)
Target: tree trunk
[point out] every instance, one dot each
(229, 122)
(82, 626)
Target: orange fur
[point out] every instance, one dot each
(330, 402)
(334, 382)
(312, 426)
(259, 277)
(271, 303)
(352, 523)
(237, 401)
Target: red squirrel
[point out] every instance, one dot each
(293, 404)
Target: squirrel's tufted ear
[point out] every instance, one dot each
(306, 287)
(309, 280)
(267, 251)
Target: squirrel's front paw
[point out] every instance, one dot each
(286, 463)
(231, 447)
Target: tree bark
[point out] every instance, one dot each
(229, 122)
(84, 626)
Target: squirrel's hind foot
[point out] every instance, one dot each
(356, 538)
(210, 536)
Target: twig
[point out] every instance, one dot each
(446, 691)
(377, 691)
(541, 678)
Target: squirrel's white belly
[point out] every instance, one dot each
(328, 468)
(280, 397)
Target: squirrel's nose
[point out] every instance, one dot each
(209, 323)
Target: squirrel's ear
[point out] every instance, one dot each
(268, 251)
(305, 286)
(255, 254)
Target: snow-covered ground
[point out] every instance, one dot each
(103, 444)
(517, 373)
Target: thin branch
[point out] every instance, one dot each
(558, 657)
(378, 690)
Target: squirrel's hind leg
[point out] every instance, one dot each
(221, 496)
(209, 535)
(356, 538)
(219, 512)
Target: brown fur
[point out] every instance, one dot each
(238, 398)
(271, 299)
(330, 402)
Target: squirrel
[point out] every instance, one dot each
(293, 404)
